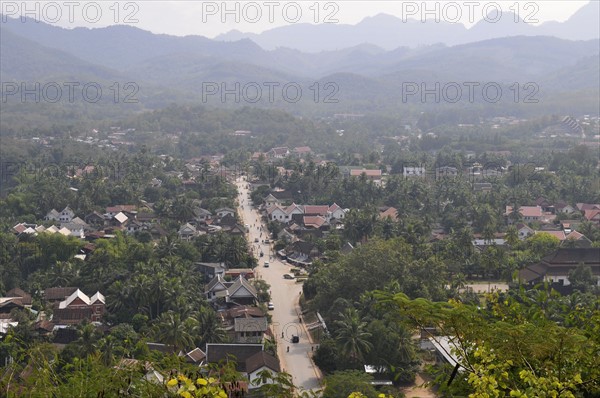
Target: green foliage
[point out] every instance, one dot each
(512, 347)
(343, 383)
(367, 266)
(582, 279)
(326, 356)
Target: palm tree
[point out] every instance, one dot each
(182, 209)
(168, 246)
(141, 292)
(352, 336)
(235, 251)
(512, 236)
(61, 274)
(120, 295)
(172, 330)
(207, 328)
(88, 337)
(107, 346)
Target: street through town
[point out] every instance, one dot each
(284, 294)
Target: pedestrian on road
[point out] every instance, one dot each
(288, 350)
(281, 334)
(312, 347)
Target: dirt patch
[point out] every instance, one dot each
(418, 390)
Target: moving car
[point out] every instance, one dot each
(288, 276)
(255, 240)
(271, 306)
(266, 264)
(267, 241)
(295, 339)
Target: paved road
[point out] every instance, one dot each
(284, 294)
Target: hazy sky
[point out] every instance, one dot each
(210, 18)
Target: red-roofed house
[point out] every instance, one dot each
(78, 306)
(19, 228)
(114, 210)
(314, 221)
(582, 240)
(529, 213)
(316, 210)
(370, 174)
(560, 235)
(302, 151)
(279, 153)
(587, 206)
(390, 212)
(592, 215)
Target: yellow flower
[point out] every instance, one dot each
(201, 382)
(172, 382)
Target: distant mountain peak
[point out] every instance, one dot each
(389, 32)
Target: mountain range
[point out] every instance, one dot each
(390, 32)
(368, 77)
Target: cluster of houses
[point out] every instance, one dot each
(545, 211)
(131, 219)
(542, 218)
(204, 222)
(229, 291)
(300, 221)
(235, 298)
(303, 224)
(556, 267)
(308, 215)
(283, 152)
(249, 359)
(68, 225)
(70, 306)
(544, 215)
(95, 225)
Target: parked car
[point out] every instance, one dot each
(267, 241)
(295, 339)
(271, 306)
(255, 240)
(288, 276)
(266, 264)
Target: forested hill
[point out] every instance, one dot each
(360, 79)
